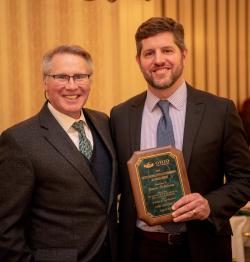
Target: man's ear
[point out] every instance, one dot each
(45, 83)
(45, 87)
(137, 58)
(184, 55)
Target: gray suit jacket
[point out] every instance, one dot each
(52, 208)
(214, 145)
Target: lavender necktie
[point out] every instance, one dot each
(165, 133)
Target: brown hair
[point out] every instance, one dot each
(64, 49)
(156, 25)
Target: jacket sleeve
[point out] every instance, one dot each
(17, 181)
(235, 193)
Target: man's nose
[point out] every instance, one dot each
(159, 58)
(71, 84)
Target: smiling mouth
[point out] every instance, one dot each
(161, 70)
(72, 97)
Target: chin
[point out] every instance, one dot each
(161, 86)
(73, 114)
(72, 111)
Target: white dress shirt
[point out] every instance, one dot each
(66, 123)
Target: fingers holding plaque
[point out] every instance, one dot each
(158, 178)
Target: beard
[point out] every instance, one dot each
(169, 82)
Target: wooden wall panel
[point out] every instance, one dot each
(30, 28)
(222, 44)
(4, 68)
(185, 16)
(199, 46)
(217, 37)
(247, 48)
(232, 49)
(104, 47)
(241, 54)
(170, 8)
(211, 54)
(130, 80)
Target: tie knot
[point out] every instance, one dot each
(164, 106)
(78, 126)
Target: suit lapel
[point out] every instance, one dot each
(106, 138)
(194, 113)
(135, 121)
(60, 140)
(101, 130)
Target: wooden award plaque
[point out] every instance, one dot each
(158, 178)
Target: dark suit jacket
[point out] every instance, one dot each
(214, 144)
(52, 208)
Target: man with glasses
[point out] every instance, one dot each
(57, 172)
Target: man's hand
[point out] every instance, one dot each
(190, 207)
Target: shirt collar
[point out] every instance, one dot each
(65, 121)
(177, 99)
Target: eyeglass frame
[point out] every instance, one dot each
(68, 77)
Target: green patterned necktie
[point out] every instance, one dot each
(84, 144)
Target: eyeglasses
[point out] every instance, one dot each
(77, 78)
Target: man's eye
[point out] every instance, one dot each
(148, 54)
(62, 77)
(79, 77)
(167, 51)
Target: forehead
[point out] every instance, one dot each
(158, 41)
(68, 62)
